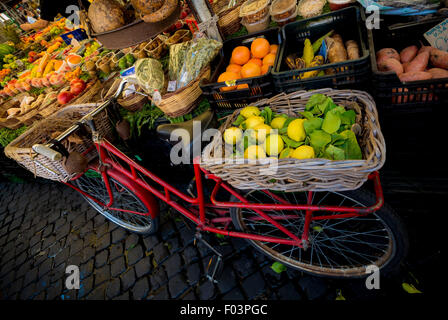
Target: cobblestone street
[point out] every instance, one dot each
(45, 227)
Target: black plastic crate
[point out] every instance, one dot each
(259, 87)
(352, 74)
(391, 95)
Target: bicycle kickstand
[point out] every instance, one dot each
(215, 265)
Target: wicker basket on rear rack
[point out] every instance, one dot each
(293, 175)
(43, 131)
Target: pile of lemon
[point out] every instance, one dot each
(256, 139)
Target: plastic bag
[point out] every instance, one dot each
(150, 75)
(200, 53)
(403, 7)
(177, 58)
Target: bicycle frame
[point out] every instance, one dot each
(130, 178)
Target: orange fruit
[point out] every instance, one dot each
(264, 69)
(274, 48)
(256, 61)
(234, 68)
(260, 47)
(250, 70)
(240, 55)
(228, 76)
(269, 59)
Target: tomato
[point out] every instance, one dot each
(77, 80)
(77, 88)
(65, 97)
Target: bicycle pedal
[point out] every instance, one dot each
(214, 268)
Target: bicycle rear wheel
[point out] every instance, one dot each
(124, 198)
(338, 248)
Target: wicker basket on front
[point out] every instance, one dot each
(43, 131)
(183, 101)
(293, 175)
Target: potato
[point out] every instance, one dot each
(400, 98)
(415, 76)
(387, 53)
(409, 53)
(419, 63)
(391, 64)
(438, 73)
(439, 58)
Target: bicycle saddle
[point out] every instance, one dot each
(206, 120)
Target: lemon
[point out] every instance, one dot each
(233, 135)
(249, 111)
(296, 131)
(303, 152)
(278, 122)
(286, 153)
(253, 121)
(254, 152)
(273, 144)
(261, 131)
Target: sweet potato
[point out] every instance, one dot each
(409, 53)
(439, 58)
(415, 76)
(419, 63)
(391, 64)
(438, 73)
(402, 98)
(424, 49)
(386, 53)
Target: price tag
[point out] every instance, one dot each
(171, 86)
(438, 36)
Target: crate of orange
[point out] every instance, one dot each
(243, 74)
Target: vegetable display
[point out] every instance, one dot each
(324, 130)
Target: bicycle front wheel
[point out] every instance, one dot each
(124, 198)
(337, 248)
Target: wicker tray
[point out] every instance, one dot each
(303, 175)
(42, 132)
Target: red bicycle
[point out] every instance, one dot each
(334, 234)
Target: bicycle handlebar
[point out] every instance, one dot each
(46, 150)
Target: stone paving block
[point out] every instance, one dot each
(124, 296)
(88, 253)
(173, 245)
(131, 241)
(118, 235)
(189, 296)
(143, 267)
(234, 294)
(128, 279)
(158, 278)
(103, 229)
(243, 266)
(86, 228)
(190, 255)
(103, 242)
(30, 276)
(206, 290)
(150, 242)
(313, 287)
(160, 252)
(288, 292)
(166, 230)
(113, 288)
(85, 287)
(173, 265)
(28, 292)
(134, 255)
(194, 273)
(102, 275)
(140, 289)
(227, 280)
(161, 294)
(177, 285)
(62, 256)
(254, 285)
(98, 293)
(101, 258)
(45, 267)
(115, 251)
(86, 269)
(117, 267)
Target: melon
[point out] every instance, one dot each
(106, 15)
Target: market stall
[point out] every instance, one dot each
(301, 85)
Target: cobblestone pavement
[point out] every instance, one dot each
(46, 226)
